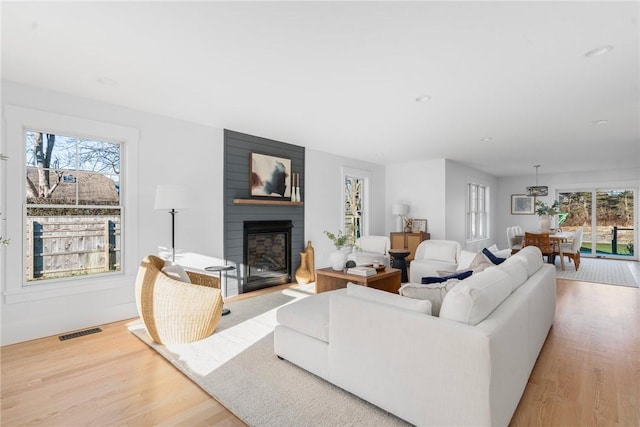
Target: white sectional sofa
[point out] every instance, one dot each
(467, 367)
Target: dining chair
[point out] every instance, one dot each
(542, 241)
(572, 250)
(514, 239)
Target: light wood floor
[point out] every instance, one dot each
(588, 374)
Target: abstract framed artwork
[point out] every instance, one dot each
(521, 204)
(270, 176)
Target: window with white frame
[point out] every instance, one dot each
(477, 213)
(16, 202)
(355, 202)
(73, 210)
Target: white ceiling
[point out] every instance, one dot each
(343, 77)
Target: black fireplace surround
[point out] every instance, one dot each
(267, 254)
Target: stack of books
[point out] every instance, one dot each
(362, 271)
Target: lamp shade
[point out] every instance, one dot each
(171, 197)
(399, 209)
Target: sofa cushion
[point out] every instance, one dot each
(441, 251)
(472, 300)
(435, 293)
(383, 297)
(516, 269)
(460, 275)
(532, 257)
(175, 272)
(309, 316)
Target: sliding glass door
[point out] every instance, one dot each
(607, 218)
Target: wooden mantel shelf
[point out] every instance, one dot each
(266, 202)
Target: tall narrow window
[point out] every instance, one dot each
(73, 210)
(353, 212)
(477, 215)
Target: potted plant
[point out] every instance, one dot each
(343, 244)
(546, 212)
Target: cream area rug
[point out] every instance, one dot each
(609, 271)
(237, 366)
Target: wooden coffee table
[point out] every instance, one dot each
(328, 279)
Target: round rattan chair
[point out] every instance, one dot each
(173, 311)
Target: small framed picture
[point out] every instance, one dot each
(522, 204)
(419, 225)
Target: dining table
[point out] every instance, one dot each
(557, 238)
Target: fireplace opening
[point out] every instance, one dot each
(267, 254)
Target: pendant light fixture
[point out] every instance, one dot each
(537, 190)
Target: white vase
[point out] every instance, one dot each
(545, 223)
(338, 260)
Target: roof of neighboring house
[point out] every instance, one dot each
(92, 187)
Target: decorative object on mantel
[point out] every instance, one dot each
(312, 260)
(400, 210)
(537, 190)
(295, 189)
(171, 197)
(546, 212)
(303, 273)
(269, 176)
(343, 244)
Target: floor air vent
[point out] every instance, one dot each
(79, 334)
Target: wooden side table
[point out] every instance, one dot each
(409, 241)
(328, 279)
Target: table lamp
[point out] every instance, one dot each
(401, 210)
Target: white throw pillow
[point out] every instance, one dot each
(434, 292)
(383, 297)
(466, 258)
(441, 251)
(175, 272)
(473, 299)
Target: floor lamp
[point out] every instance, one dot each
(171, 197)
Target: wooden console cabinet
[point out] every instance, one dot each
(409, 241)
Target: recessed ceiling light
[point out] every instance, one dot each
(486, 139)
(598, 51)
(599, 122)
(106, 81)
(423, 98)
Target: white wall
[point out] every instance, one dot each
(421, 186)
(323, 203)
(617, 178)
(169, 151)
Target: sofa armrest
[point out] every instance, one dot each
(394, 358)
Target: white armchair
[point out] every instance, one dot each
(432, 256)
(371, 249)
